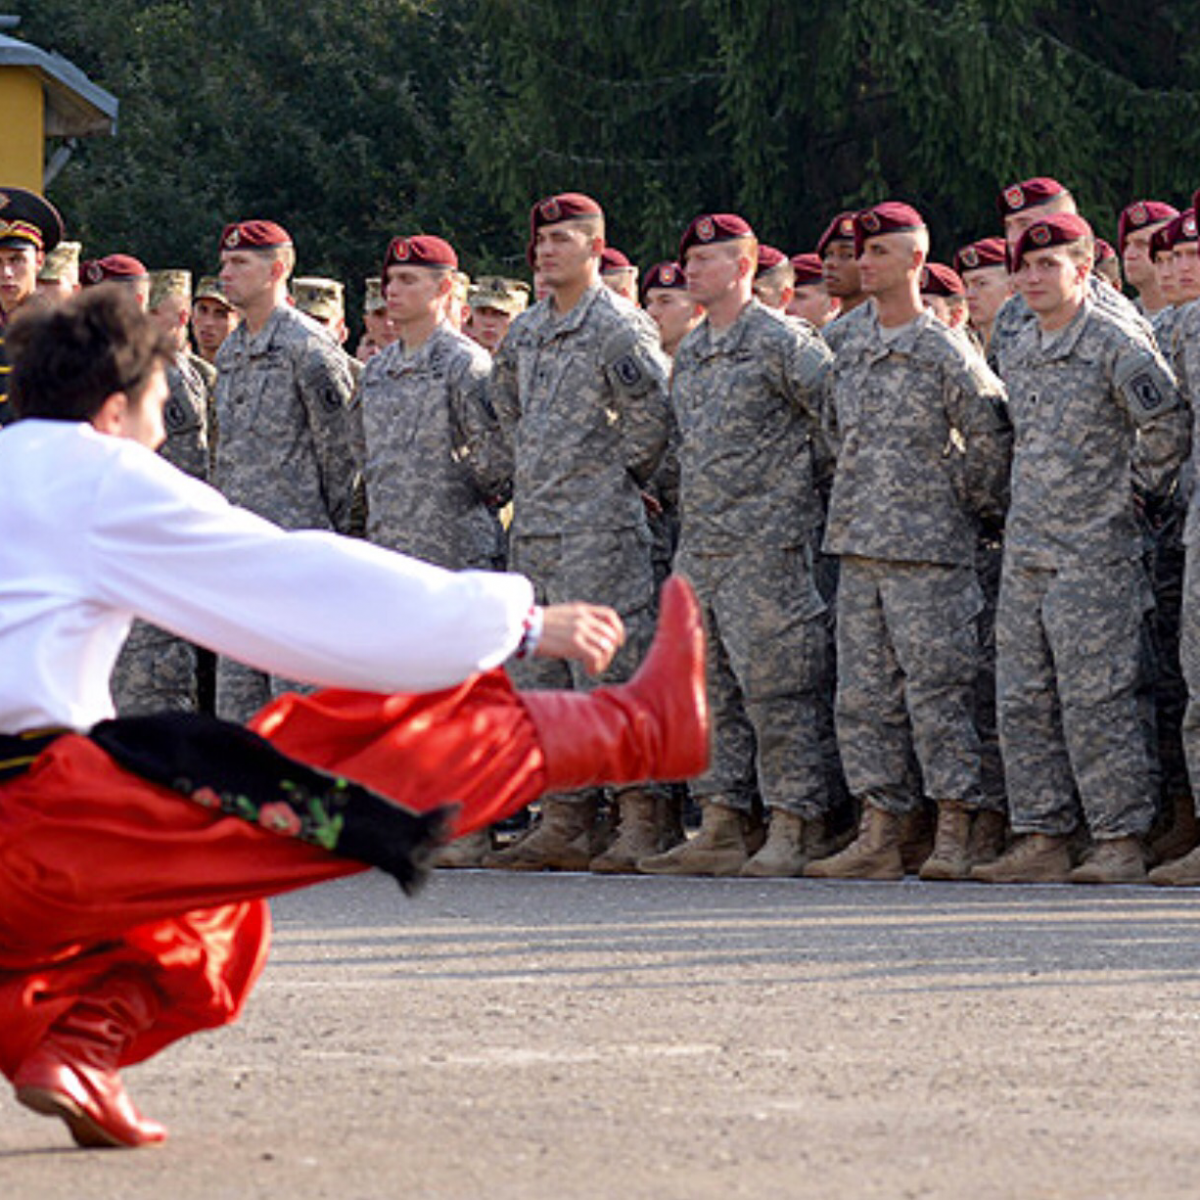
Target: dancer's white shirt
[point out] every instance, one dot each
(97, 529)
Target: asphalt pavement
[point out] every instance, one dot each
(566, 1036)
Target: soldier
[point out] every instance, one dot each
(30, 228)
(618, 273)
(672, 307)
(1082, 386)
(287, 426)
(457, 310)
(838, 263)
(494, 302)
(579, 385)
(922, 452)
(378, 329)
(324, 300)
(747, 390)
(1107, 266)
(811, 298)
(1136, 225)
(59, 277)
(944, 294)
(1020, 205)
(983, 268)
(121, 269)
(434, 466)
(213, 318)
(774, 278)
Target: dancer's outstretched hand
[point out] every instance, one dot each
(589, 633)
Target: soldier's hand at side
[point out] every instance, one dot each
(589, 633)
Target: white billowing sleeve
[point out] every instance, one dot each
(310, 606)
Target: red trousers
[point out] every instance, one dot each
(101, 870)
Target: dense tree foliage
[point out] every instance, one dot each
(351, 120)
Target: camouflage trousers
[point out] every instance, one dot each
(768, 659)
(989, 556)
(1068, 663)
(155, 672)
(243, 690)
(609, 567)
(907, 657)
(1189, 654)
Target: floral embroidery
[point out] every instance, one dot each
(206, 797)
(280, 818)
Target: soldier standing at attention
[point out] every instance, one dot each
(213, 318)
(30, 228)
(839, 263)
(494, 302)
(983, 268)
(922, 451)
(1136, 225)
(59, 277)
(774, 278)
(672, 307)
(580, 387)
(618, 273)
(1083, 385)
(747, 390)
(811, 299)
(287, 427)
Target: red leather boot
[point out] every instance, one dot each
(653, 727)
(73, 1073)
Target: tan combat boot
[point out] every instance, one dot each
(874, 854)
(916, 838)
(1183, 872)
(784, 853)
(637, 835)
(468, 851)
(1183, 834)
(950, 858)
(1114, 860)
(1035, 858)
(561, 841)
(718, 849)
(988, 830)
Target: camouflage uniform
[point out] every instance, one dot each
(923, 448)
(433, 461)
(1073, 594)
(156, 671)
(285, 451)
(748, 401)
(582, 400)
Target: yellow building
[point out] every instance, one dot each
(42, 95)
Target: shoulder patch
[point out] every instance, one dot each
(1144, 390)
(627, 370)
(174, 415)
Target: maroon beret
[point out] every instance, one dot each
(119, 268)
(254, 235)
(987, 252)
(665, 275)
(424, 250)
(611, 259)
(1056, 230)
(566, 206)
(27, 219)
(1104, 250)
(1179, 229)
(889, 217)
(1139, 214)
(840, 229)
(712, 228)
(808, 269)
(1161, 240)
(768, 259)
(937, 279)
(1030, 193)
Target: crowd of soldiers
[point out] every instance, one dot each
(936, 514)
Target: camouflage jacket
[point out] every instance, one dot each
(922, 442)
(1082, 402)
(582, 400)
(748, 401)
(432, 455)
(286, 417)
(185, 419)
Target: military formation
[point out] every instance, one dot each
(941, 518)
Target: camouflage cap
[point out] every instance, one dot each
(170, 282)
(505, 295)
(61, 263)
(211, 288)
(319, 297)
(373, 297)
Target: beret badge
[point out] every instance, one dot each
(970, 257)
(95, 273)
(1138, 215)
(401, 250)
(1014, 197)
(1040, 235)
(869, 222)
(550, 210)
(1189, 226)
(706, 230)
(667, 275)
(233, 238)
(847, 227)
